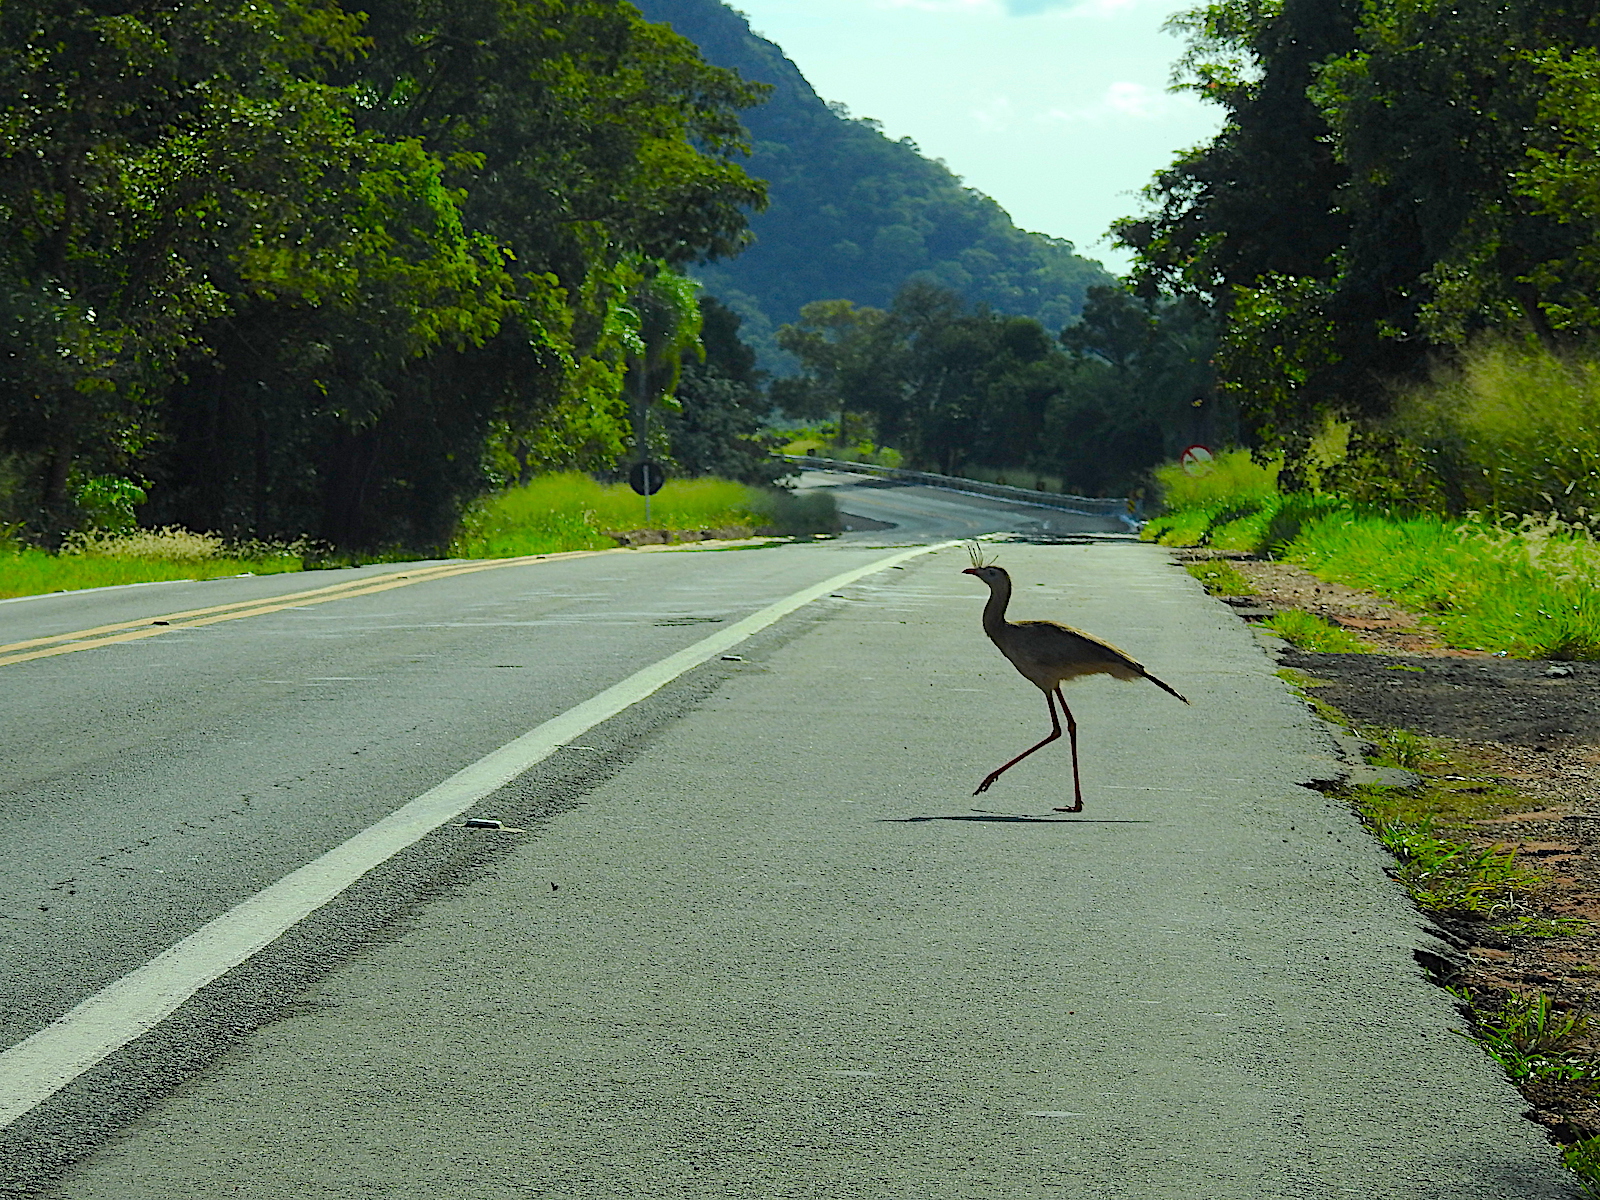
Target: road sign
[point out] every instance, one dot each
(1197, 460)
(646, 478)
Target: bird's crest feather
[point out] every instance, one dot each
(976, 553)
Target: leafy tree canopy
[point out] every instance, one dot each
(304, 267)
(954, 386)
(1393, 177)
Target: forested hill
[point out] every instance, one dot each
(854, 215)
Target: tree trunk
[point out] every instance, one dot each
(53, 514)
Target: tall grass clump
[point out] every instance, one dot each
(106, 558)
(1236, 506)
(1235, 480)
(571, 511)
(1510, 427)
(1311, 632)
(1530, 589)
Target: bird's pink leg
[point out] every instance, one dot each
(1072, 728)
(1055, 732)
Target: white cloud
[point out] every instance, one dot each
(1072, 8)
(1134, 100)
(1121, 100)
(943, 5)
(1016, 8)
(996, 115)
(1002, 8)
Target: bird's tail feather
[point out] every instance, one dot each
(1166, 687)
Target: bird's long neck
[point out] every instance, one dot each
(994, 612)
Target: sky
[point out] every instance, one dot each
(1059, 109)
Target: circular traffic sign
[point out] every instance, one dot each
(1197, 460)
(646, 478)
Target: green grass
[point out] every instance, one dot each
(1243, 535)
(1403, 748)
(1440, 805)
(1220, 579)
(1235, 479)
(570, 511)
(1531, 1039)
(1529, 589)
(1442, 873)
(1186, 527)
(1304, 686)
(1583, 1160)
(1508, 425)
(1310, 632)
(143, 557)
(1526, 1035)
(553, 513)
(1544, 927)
(1532, 591)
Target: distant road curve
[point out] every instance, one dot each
(917, 511)
(1118, 507)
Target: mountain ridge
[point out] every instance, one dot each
(855, 215)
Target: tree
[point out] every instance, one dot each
(1370, 199)
(1139, 388)
(856, 215)
(717, 427)
(572, 154)
(851, 359)
(119, 150)
(954, 387)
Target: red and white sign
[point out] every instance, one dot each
(1197, 460)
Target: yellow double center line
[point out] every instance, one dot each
(195, 618)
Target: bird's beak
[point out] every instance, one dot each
(969, 570)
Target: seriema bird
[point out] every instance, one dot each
(1048, 655)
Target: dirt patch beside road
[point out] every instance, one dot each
(1480, 700)
(1382, 623)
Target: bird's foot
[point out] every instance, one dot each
(1078, 807)
(984, 786)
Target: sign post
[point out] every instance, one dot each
(646, 478)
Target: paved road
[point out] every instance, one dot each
(757, 939)
(913, 511)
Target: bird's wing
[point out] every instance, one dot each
(1074, 646)
(1094, 644)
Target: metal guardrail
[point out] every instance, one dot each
(1084, 506)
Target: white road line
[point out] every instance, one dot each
(39, 1066)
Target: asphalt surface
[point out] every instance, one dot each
(757, 938)
(912, 511)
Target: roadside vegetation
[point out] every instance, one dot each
(1457, 859)
(351, 282)
(1527, 586)
(571, 511)
(937, 384)
(106, 559)
(550, 514)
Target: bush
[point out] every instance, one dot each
(107, 559)
(812, 511)
(571, 511)
(1236, 480)
(172, 543)
(1509, 427)
(1311, 632)
(1230, 507)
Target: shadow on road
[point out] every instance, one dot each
(1000, 817)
